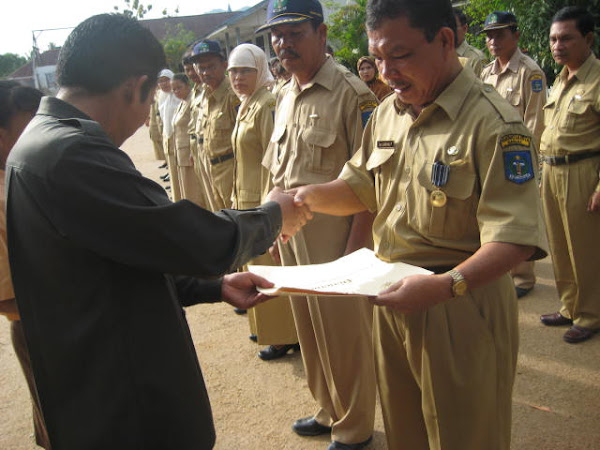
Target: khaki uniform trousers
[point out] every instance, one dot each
(159, 153)
(573, 238)
(201, 177)
(190, 185)
(272, 322)
(335, 337)
(446, 374)
(171, 154)
(221, 181)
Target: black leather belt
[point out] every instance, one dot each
(568, 159)
(222, 158)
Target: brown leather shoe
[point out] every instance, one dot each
(555, 320)
(577, 334)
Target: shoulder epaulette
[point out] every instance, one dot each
(508, 113)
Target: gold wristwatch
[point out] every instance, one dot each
(459, 284)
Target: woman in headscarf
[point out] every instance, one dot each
(189, 183)
(272, 322)
(167, 105)
(367, 71)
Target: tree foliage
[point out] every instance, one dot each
(534, 18)
(134, 8)
(9, 62)
(347, 32)
(176, 41)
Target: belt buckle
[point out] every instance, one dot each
(567, 158)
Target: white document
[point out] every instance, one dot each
(360, 273)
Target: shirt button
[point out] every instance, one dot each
(399, 207)
(407, 170)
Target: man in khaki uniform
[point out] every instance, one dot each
(445, 344)
(199, 169)
(155, 130)
(519, 80)
(318, 126)
(570, 184)
(218, 111)
(475, 57)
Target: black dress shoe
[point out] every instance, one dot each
(163, 165)
(240, 311)
(164, 177)
(555, 320)
(577, 334)
(167, 188)
(308, 426)
(253, 338)
(275, 352)
(167, 179)
(335, 445)
(522, 292)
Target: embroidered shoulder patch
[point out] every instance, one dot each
(518, 167)
(515, 139)
(366, 109)
(536, 82)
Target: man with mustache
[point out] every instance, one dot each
(447, 166)
(570, 183)
(319, 121)
(519, 80)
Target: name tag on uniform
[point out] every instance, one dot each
(385, 144)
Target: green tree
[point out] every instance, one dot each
(347, 32)
(534, 18)
(176, 41)
(9, 62)
(135, 9)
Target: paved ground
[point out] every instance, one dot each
(556, 398)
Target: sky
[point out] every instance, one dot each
(21, 17)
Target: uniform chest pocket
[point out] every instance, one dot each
(381, 171)
(452, 217)
(272, 158)
(549, 111)
(579, 115)
(513, 97)
(320, 158)
(223, 122)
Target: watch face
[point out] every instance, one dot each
(460, 287)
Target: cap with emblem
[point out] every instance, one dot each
(205, 47)
(292, 11)
(499, 19)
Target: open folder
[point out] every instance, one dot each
(360, 273)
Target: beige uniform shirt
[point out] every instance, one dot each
(195, 125)
(6, 286)
(476, 58)
(155, 127)
(572, 112)
(523, 84)
(250, 139)
(181, 122)
(219, 110)
(312, 138)
(490, 187)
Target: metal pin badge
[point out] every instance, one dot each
(452, 151)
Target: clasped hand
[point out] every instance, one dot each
(293, 216)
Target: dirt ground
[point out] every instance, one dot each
(556, 397)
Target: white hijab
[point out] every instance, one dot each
(167, 105)
(249, 55)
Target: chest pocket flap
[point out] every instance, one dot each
(319, 137)
(378, 157)
(461, 181)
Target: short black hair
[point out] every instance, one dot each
(105, 50)
(15, 98)
(181, 77)
(584, 21)
(462, 18)
(427, 15)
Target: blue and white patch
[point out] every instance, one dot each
(366, 109)
(518, 166)
(537, 83)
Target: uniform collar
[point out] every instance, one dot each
(513, 63)
(222, 90)
(52, 106)
(324, 76)
(462, 48)
(582, 72)
(450, 99)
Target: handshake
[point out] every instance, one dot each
(294, 214)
